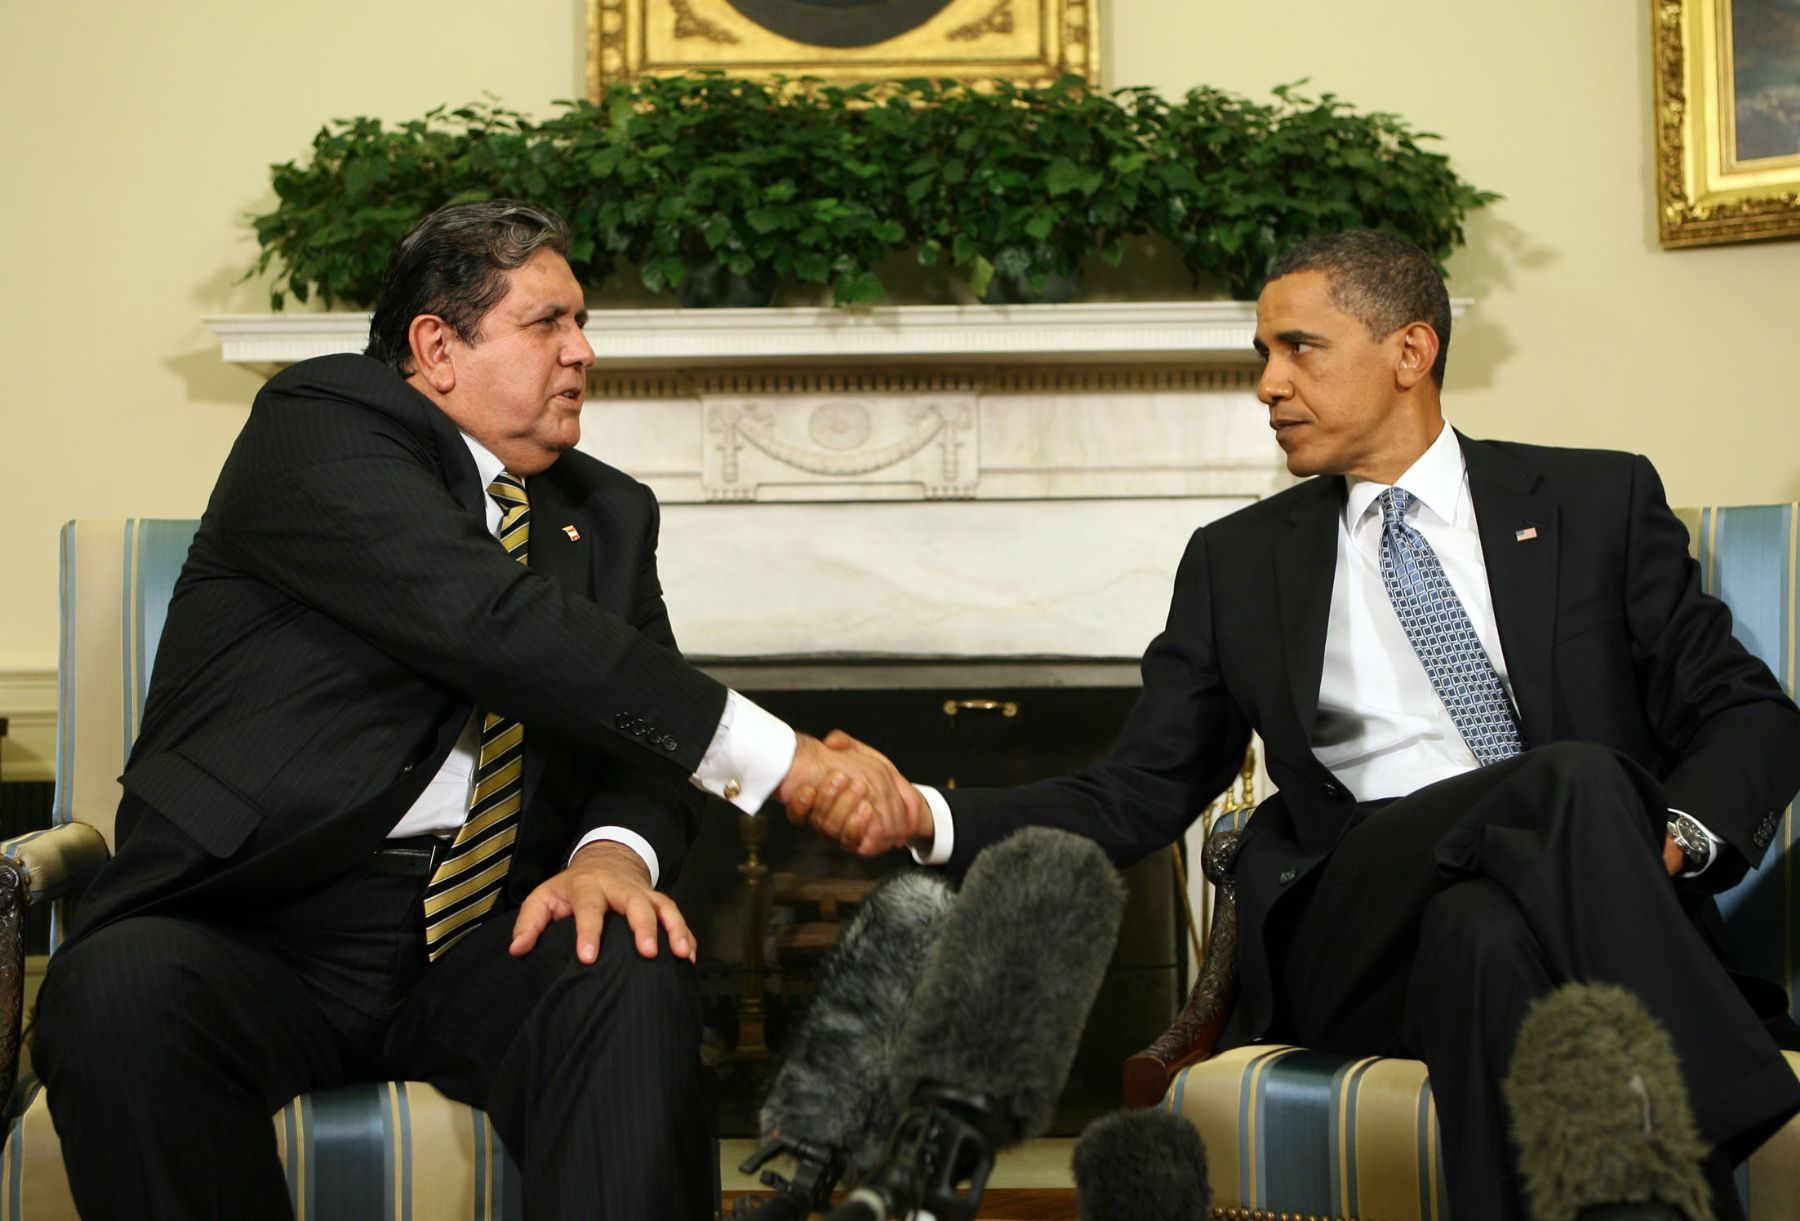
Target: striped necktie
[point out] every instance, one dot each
(467, 882)
(1438, 627)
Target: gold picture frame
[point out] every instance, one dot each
(1728, 161)
(1028, 41)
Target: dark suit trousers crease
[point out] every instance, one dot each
(167, 1042)
(1441, 916)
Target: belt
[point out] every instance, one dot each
(413, 857)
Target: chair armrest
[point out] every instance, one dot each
(36, 867)
(1196, 1029)
(55, 861)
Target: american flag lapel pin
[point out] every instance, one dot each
(573, 533)
(1525, 535)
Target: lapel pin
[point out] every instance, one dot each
(1525, 535)
(575, 535)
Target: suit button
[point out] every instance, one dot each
(638, 729)
(668, 744)
(1286, 876)
(622, 720)
(1332, 789)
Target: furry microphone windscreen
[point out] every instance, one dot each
(1600, 1114)
(832, 1087)
(1000, 1007)
(1139, 1165)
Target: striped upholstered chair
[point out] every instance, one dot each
(384, 1150)
(1291, 1132)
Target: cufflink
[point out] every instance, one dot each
(732, 789)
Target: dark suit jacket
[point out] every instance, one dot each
(342, 610)
(1607, 638)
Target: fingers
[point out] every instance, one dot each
(541, 906)
(603, 878)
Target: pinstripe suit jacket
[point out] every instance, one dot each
(341, 612)
(1607, 638)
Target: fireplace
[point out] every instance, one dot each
(767, 899)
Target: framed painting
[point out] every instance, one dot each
(1727, 120)
(1029, 41)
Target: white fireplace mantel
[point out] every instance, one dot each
(923, 481)
(1108, 332)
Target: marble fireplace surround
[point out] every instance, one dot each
(845, 488)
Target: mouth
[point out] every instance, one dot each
(572, 394)
(1285, 429)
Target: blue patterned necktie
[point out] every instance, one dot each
(467, 883)
(1441, 634)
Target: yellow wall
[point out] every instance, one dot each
(137, 136)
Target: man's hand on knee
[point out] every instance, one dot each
(603, 877)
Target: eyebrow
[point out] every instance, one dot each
(558, 311)
(1293, 337)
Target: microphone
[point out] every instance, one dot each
(828, 1105)
(1138, 1165)
(1600, 1114)
(992, 1031)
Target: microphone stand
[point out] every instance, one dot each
(816, 1171)
(945, 1138)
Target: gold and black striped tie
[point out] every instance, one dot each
(467, 883)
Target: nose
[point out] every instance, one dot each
(1273, 385)
(578, 351)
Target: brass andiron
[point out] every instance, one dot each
(752, 1042)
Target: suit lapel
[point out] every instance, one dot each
(1520, 538)
(564, 557)
(1305, 567)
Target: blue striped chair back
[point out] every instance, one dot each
(393, 1151)
(1747, 559)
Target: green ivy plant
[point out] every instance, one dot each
(704, 177)
(1023, 183)
(765, 180)
(366, 184)
(1241, 181)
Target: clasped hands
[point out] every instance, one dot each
(850, 792)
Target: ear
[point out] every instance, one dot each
(429, 338)
(1418, 352)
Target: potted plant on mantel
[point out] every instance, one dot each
(716, 188)
(1247, 180)
(1018, 185)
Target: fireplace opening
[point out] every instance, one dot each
(766, 899)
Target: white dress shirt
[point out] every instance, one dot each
(751, 750)
(1381, 728)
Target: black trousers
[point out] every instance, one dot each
(167, 1042)
(1441, 916)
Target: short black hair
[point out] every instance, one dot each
(453, 264)
(1384, 282)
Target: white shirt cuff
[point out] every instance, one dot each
(631, 839)
(750, 755)
(1717, 843)
(943, 829)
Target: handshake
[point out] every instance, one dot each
(851, 793)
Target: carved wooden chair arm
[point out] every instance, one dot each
(1196, 1029)
(37, 867)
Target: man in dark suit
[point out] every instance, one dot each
(1514, 743)
(417, 753)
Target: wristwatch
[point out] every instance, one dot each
(1692, 839)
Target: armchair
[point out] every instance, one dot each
(1291, 1132)
(380, 1149)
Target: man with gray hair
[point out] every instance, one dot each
(417, 759)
